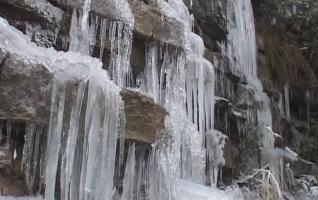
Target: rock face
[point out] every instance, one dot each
(287, 56)
(287, 45)
(24, 97)
(149, 23)
(41, 10)
(144, 118)
(210, 20)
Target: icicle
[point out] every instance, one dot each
(8, 137)
(129, 174)
(85, 29)
(122, 135)
(120, 36)
(84, 158)
(54, 138)
(150, 84)
(72, 137)
(308, 108)
(287, 104)
(82, 33)
(281, 106)
(209, 97)
(100, 140)
(200, 82)
(74, 31)
(102, 35)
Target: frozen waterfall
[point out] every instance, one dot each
(75, 157)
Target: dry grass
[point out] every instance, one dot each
(285, 61)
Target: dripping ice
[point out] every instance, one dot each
(70, 68)
(84, 33)
(175, 169)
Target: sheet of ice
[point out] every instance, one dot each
(150, 80)
(54, 138)
(188, 191)
(99, 147)
(241, 50)
(21, 198)
(128, 183)
(69, 154)
(241, 38)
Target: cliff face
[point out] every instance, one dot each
(287, 58)
(287, 45)
(287, 35)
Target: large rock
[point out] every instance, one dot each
(150, 23)
(144, 118)
(25, 89)
(31, 9)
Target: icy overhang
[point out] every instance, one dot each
(27, 74)
(148, 21)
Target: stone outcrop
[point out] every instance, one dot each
(150, 23)
(26, 89)
(28, 10)
(144, 118)
(24, 97)
(287, 54)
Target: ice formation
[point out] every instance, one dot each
(241, 48)
(184, 84)
(84, 35)
(287, 104)
(150, 81)
(242, 55)
(129, 174)
(187, 158)
(79, 158)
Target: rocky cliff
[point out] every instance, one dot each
(287, 45)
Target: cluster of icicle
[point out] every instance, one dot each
(200, 90)
(181, 81)
(88, 29)
(241, 51)
(184, 84)
(85, 151)
(179, 160)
